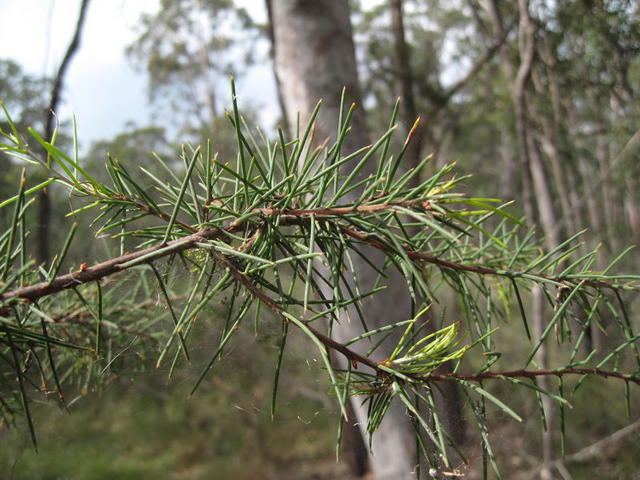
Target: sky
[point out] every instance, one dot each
(102, 88)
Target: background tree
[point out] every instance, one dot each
(24, 96)
(44, 202)
(315, 59)
(187, 48)
(575, 102)
(255, 231)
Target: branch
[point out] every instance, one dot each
(289, 217)
(278, 310)
(109, 267)
(339, 211)
(481, 61)
(384, 368)
(57, 82)
(477, 66)
(461, 267)
(531, 374)
(591, 452)
(291, 214)
(595, 449)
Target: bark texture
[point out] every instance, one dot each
(315, 59)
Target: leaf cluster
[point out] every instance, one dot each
(277, 230)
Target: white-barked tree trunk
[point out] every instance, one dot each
(315, 59)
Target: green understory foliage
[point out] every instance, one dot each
(141, 426)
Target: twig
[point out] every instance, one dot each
(291, 217)
(488, 375)
(355, 357)
(109, 267)
(340, 211)
(278, 310)
(461, 267)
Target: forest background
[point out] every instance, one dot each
(537, 100)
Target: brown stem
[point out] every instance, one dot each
(109, 267)
(277, 309)
(355, 357)
(337, 211)
(96, 272)
(530, 374)
(461, 267)
(289, 217)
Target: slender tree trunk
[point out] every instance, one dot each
(535, 168)
(315, 58)
(44, 208)
(544, 198)
(588, 168)
(603, 153)
(404, 82)
(510, 162)
(449, 401)
(208, 92)
(526, 47)
(551, 148)
(285, 120)
(558, 143)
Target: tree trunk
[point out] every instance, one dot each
(284, 123)
(510, 161)
(404, 82)
(315, 58)
(526, 47)
(534, 182)
(208, 92)
(450, 401)
(44, 208)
